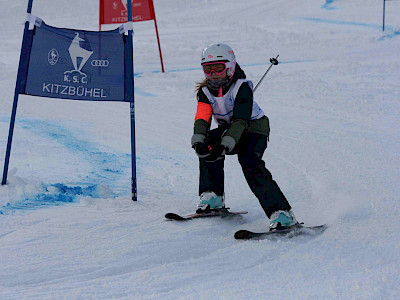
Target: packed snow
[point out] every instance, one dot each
(68, 226)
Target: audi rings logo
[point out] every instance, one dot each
(101, 63)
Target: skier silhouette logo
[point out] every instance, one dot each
(76, 51)
(125, 4)
(79, 57)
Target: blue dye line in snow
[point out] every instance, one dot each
(280, 62)
(390, 31)
(63, 195)
(139, 74)
(106, 165)
(107, 168)
(140, 92)
(328, 5)
(390, 35)
(347, 23)
(4, 118)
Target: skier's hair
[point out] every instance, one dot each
(199, 86)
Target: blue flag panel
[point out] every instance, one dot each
(77, 64)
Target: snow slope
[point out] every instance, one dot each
(68, 229)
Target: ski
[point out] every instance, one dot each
(215, 213)
(296, 230)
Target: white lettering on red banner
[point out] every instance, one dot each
(116, 11)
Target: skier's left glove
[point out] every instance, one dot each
(229, 143)
(217, 153)
(225, 147)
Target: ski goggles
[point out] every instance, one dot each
(217, 67)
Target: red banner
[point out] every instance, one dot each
(116, 11)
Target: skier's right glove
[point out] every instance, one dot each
(199, 145)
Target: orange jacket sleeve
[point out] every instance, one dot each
(204, 112)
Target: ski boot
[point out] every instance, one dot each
(209, 201)
(282, 219)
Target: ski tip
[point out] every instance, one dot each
(242, 234)
(317, 228)
(172, 216)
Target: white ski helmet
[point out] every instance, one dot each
(220, 52)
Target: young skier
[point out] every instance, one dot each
(243, 129)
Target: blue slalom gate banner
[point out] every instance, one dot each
(76, 65)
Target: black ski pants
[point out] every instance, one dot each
(249, 150)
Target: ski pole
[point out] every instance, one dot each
(273, 61)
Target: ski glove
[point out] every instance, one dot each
(229, 143)
(217, 153)
(201, 149)
(199, 145)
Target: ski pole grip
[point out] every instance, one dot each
(274, 61)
